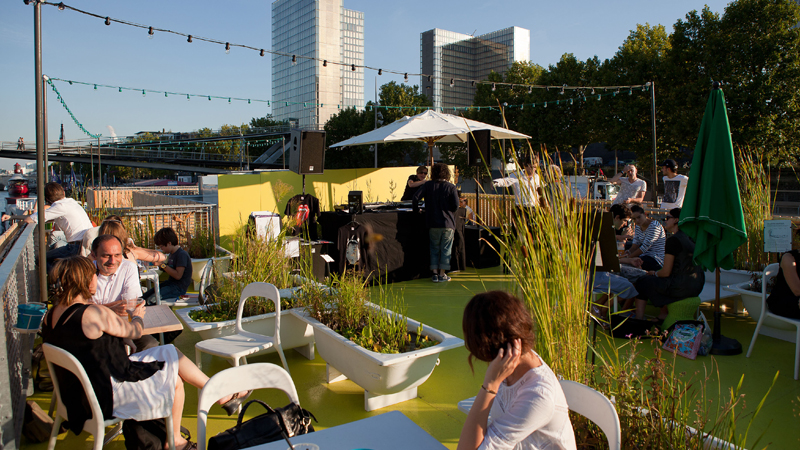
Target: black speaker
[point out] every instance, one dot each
(307, 152)
(355, 202)
(479, 147)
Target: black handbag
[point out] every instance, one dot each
(275, 424)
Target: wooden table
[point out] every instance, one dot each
(389, 431)
(160, 319)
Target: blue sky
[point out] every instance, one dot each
(81, 48)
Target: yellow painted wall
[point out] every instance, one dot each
(239, 195)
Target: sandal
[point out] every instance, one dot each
(190, 445)
(232, 405)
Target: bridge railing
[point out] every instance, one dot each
(18, 285)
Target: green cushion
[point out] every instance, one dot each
(681, 310)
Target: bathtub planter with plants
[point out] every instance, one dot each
(750, 292)
(401, 353)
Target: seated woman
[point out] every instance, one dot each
(784, 300)
(678, 279)
(131, 252)
(528, 408)
(142, 386)
(647, 251)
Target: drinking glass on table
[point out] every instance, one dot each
(131, 305)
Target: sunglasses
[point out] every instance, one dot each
(422, 173)
(669, 217)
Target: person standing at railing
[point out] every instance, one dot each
(67, 215)
(21, 144)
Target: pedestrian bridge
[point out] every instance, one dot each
(170, 151)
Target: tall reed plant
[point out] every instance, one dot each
(754, 188)
(545, 252)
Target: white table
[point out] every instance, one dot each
(151, 276)
(389, 431)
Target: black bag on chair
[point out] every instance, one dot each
(275, 424)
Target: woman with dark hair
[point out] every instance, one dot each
(441, 203)
(784, 300)
(528, 408)
(678, 278)
(142, 386)
(414, 182)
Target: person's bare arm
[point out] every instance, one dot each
(175, 273)
(666, 269)
(638, 199)
(98, 320)
(148, 255)
(789, 266)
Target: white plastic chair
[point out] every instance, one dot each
(194, 299)
(237, 379)
(773, 320)
(238, 346)
(96, 425)
(596, 407)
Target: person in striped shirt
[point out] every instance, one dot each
(647, 251)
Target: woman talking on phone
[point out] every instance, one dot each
(142, 386)
(528, 408)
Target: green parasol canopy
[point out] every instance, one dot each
(712, 208)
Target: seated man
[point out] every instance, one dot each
(117, 281)
(69, 217)
(647, 251)
(470, 214)
(178, 266)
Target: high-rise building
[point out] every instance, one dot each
(308, 92)
(446, 56)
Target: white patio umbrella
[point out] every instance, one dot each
(429, 127)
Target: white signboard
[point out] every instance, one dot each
(777, 236)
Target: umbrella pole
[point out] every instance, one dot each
(722, 345)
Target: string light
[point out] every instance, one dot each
(294, 60)
(494, 87)
(562, 90)
(452, 82)
(581, 96)
(151, 32)
(64, 104)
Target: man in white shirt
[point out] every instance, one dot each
(68, 216)
(632, 189)
(674, 185)
(526, 184)
(117, 281)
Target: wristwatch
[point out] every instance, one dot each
(162, 266)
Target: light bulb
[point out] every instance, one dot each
(353, 67)
(405, 77)
(189, 39)
(95, 87)
(380, 71)
(494, 87)
(473, 83)
(545, 104)
(262, 52)
(120, 89)
(562, 90)
(599, 96)
(187, 97)
(227, 48)
(452, 82)
(229, 100)
(294, 60)
(150, 32)
(429, 78)
(61, 6)
(324, 63)
(143, 93)
(248, 101)
(570, 101)
(108, 21)
(165, 94)
(530, 89)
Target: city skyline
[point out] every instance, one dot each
(81, 48)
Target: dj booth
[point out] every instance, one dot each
(395, 244)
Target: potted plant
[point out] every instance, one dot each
(257, 259)
(375, 345)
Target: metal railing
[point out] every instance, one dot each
(19, 281)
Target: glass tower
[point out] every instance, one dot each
(308, 92)
(447, 55)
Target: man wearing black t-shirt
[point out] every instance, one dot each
(414, 182)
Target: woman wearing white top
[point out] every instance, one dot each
(528, 408)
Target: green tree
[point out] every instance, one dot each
(266, 122)
(342, 126)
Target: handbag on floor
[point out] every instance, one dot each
(275, 424)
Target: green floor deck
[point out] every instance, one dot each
(441, 306)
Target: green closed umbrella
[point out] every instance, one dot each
(712, 208)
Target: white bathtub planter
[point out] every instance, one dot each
(295, 333)
(386, 378)
(752, 303)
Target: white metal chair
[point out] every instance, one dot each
(596, 407)
(237, 379)
(587, 402)
(773, 320)
(96, 425)
(242, 343)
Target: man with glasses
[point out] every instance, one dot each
(414, 182)
(647, 251)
